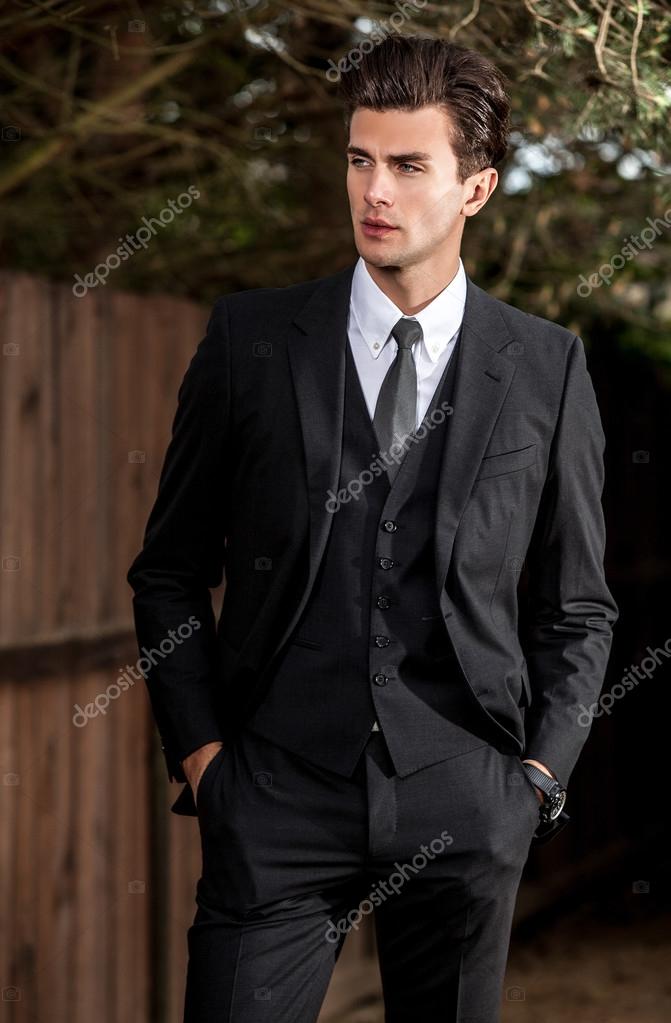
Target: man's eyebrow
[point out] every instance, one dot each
(397, 157)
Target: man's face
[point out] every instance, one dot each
(401, 169)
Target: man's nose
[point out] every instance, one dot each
(379, 188)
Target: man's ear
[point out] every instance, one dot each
(480, 187)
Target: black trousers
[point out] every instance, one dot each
(294, 856)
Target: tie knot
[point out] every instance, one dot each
(406, 332)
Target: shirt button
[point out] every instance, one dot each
(385, 563)
(389, 526)
(383, 602)
(380, 680)
(382, 641)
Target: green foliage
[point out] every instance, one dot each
(117, 115)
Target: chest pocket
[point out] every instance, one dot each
(507, 462)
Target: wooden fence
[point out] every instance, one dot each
(98, 877)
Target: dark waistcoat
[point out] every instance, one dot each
(371, 643)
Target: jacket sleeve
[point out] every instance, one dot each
(572, 611)
(182, 555)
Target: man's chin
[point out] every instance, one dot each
(380, 262)
(384, 260)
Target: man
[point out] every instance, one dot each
(374, 457)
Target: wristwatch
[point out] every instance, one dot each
(554, 795)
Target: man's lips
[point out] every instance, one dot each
(377, 228)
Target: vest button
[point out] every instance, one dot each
(383, 602)
(385, 562)
(382, 641)
(380, 680)
(389, 525)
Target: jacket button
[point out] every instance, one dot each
(389, 526)
(385, 563)
(380, 680)
(382, 641)
(383, 602)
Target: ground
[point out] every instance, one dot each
(584, 968)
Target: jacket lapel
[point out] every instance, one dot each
(482, 380)
(316, 350)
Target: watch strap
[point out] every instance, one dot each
(541, 779)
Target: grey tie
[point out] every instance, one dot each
(396, 406)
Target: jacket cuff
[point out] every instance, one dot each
(174, 758)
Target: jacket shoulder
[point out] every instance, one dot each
(528, 326)
(261, 303)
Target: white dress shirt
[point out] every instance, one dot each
(372, 315)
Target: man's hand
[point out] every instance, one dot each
(194, 765)
(545, 770)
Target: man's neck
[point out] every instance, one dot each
(412, 288)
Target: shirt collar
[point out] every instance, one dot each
(376, 314)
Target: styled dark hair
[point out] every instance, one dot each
(408, 72)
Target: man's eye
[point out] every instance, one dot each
(410, 168)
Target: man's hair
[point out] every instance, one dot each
(408, 72)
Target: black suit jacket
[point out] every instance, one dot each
(245, 483)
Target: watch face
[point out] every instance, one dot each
(557, 804)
